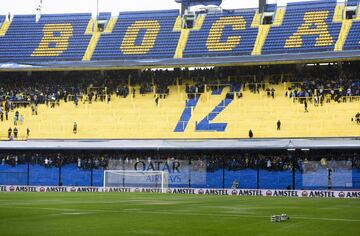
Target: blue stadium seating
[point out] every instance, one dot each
(126, 40)
(270, 7)
(108, 47)
(104, 16)
(2, 19)
(353, 39)
(196, 44)
(25, 34)
(294, 17)
(352, 2)
(217, 91)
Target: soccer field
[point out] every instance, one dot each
(167, 214)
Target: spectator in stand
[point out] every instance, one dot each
(15, 133)
(9, 132)
(75, 128)
(46, 162)
(32, 109)
(278, 125)
(251, 135)
(17, 115)
(21, 119)
(357, 118)
(15, 120)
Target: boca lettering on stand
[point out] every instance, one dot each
(215, 43)
(55, 40)
(314, 25)
(129, 45)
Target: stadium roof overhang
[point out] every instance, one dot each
(189, 3)
(271, 59)
(185, 144)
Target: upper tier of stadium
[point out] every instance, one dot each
(318, 30)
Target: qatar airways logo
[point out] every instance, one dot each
(170, 167)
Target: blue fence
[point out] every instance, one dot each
(205, 172)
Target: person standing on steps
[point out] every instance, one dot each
(251, 135)
(75, 128)
(15, 132)
(9, 132)
(278, 124)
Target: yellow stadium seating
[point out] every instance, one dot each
(140, 118)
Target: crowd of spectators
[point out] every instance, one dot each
(357, 118)
(23, 89)
(55, 159)
(231, 161)
(325, 84)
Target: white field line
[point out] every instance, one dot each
(177, 212)
(76, 213)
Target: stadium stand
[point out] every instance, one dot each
(223, 34)
(227, 107)
(318, 26)
(54, 37)
(307, 101)
(265, 170)
(139, 34)
(3, 26)
(305, 28)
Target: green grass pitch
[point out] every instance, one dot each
(176, 215)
